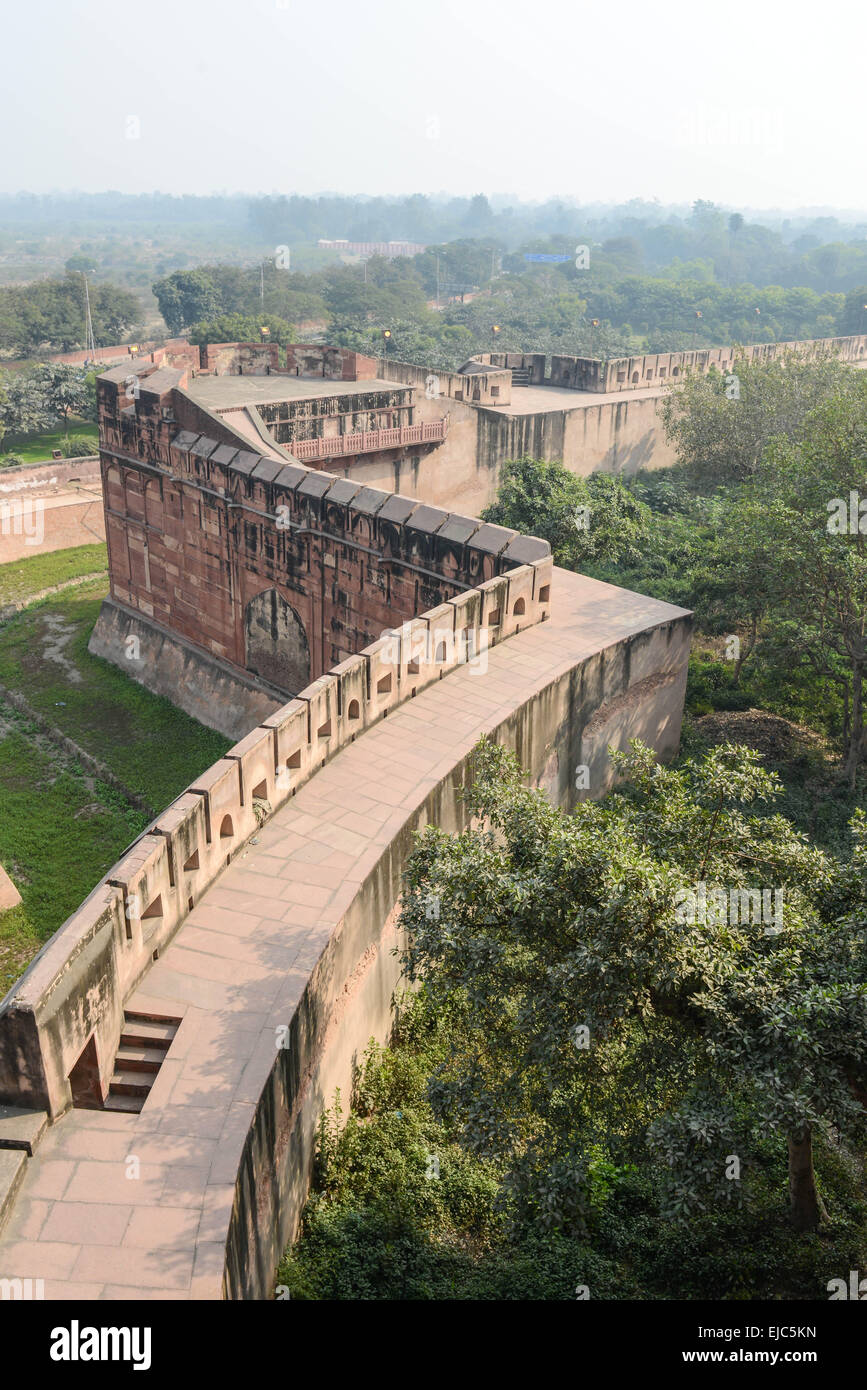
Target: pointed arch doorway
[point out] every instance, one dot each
(275, 642)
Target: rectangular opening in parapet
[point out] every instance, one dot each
(154, 909)
(494, 617)
(324, 730)
(294, 759)
(412, 668)
(192, 863)
(544, 593)
(84, 1079)
(383, 685)
(260, 793)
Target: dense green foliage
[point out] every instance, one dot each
(50, 315)
(441, 305)
(497, 1150)
(585, 520)
(710, 1040)
(36, 399)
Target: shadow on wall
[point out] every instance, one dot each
(630, 458)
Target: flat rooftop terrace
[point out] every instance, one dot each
(228, 392)
(537, 400)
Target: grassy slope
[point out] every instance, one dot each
(97, 705)
(60, 829)
(59, 832)
(23, 578)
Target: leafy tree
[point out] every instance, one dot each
(797, 537)
(720, 425)
(65, 391)
(49, 315)
(186, 297)
(80, 264)
(587, 521)
(593, 986)
(242, 328)
(24, 409)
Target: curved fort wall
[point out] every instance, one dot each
(489, 653)
(76, 988)
(568, 707)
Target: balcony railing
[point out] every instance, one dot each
(367, 441)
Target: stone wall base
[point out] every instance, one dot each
(203, 686)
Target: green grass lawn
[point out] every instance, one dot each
(22, 578)
(60, 829)
(59, 833)
(36, 448)
(43, 656)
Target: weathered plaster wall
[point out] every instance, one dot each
(464, 472)
(492, 387)
(218, 695)
(49, 506)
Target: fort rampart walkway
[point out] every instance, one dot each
(193, 1197)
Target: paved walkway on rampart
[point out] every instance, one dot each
(82, 1221)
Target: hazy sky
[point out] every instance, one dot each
(749, 102)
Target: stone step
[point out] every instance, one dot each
(150, 1016)
(12, 1165)
(21, 1129)
(131, 1104)
(130, 1083)
(141, 1033)
(135, 1058)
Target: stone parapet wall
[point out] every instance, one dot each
(658, 369)
(533, 363)
(493, 387)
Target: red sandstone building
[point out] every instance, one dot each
(240, 569)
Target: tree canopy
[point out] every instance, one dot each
(599, 995)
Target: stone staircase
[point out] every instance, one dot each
(20, 1132)
(520, 376)
(144, 1042)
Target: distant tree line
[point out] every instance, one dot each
(50, 315)
(599, 311)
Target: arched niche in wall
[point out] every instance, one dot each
(275, 642)
(153, 496)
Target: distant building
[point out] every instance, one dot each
(389, 249)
